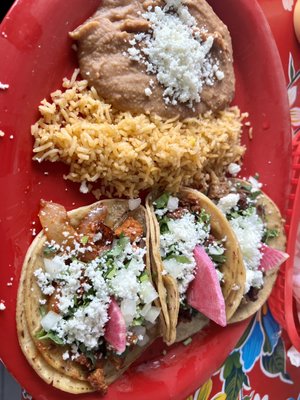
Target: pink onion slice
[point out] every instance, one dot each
(271, 258)
(115, 332)
(204, 292)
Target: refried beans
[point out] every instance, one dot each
(103, 43)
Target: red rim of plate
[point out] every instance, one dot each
(183, 369)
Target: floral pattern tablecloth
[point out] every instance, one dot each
(258, 368)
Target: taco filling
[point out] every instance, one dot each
(187, 248)
(248, 217)
(96, 294)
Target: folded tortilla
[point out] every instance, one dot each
(273, 220)
(45, 356)
(232, 269)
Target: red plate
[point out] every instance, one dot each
(35, 55)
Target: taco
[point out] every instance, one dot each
(86, 306)
(197, 263)
(259, 229)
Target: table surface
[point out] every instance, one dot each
(258, 368)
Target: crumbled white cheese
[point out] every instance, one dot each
(234, 169)
(84, 188)
(2, 306)
(161, 211)
(220, 75)
(253, 279)
(134, 203)
(254, 183)
(172, 204)
(182, 272)
(228, 202)
(97, 237)
(43, 280)
(66, 355)
(175, 52)
(249, 232)
(4, 86)
(125, 284)
(183, 236)
(86, 325)
(87, 322)
(148, 92)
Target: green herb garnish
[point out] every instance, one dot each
(111, 272)
(144, 277)
(42, 310)
(162, 201)
(254, 195)
(218, 258)
(88, 353)
(269, 234)
(119, 246)
(249, 211)
(43, 335)
(138, 321)
(179, 258)
(245, 186)
(84, 239)
(203, 217)
(163, 225)
(187, 341)
(49, 250)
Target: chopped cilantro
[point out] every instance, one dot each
(49, 250)
(163, 225)
(43, 335)
(245, 186)
(203, 217)
(179, 258)
(254, 195)
(75, 298)
(144, 277)
(111, 272)
(187, 341)
(88, 353)
(84, 239)
(162, 201)
(244, 213)
(269, 234)
(218, 258)
(42, 310)
(138, 321)
(232, 215)
(249, 211)
(119, 246)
